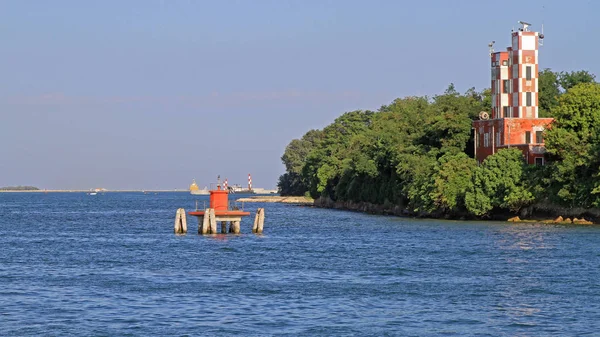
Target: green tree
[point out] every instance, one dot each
(295, 153)
(409, 153)
(291, 184)
(415, 172)
(499, 183)
(573, 145)
(326, 162)
(452, 178)
(549, 91)
(568, 80)
(448, 125)
(294, 158)
(19, 188)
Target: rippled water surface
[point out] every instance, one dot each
(74, 264)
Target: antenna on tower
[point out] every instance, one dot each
(525, 25)
(491, 46)
(541, 36)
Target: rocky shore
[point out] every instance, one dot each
(538, 213)
(286, 200)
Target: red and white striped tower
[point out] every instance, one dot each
(523, 73)
(225, 184)
(500, 85)
(249, 182)
(514, 121)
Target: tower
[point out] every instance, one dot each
(523, 72)
(514, 112)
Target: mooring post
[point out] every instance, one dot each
(234, 227)
(204, 223)
(255, 225)
(261, 221)
(183, 220)
(177, 222)
(180, 222)
(213, 221)
(223, 227)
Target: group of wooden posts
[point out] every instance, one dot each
(207, 224)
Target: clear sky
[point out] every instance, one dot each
(150, 94)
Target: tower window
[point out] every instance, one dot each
(505, 111)
(505, 63)
(505, 86)
(528, 73)
(527, 137)
(539, 138)
(528, 99)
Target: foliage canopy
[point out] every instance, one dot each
(417, 153)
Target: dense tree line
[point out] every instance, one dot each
(19, 188)
(417, 152)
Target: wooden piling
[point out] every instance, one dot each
(205, 226)
(234, 227)
(255, 225)
(180, 222)
(259, 221)
(212, 220)
(177, 222)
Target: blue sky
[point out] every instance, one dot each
(150, 94)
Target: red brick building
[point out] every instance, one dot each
(514, 118)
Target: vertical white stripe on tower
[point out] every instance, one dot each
(528, 42)
(504, 100)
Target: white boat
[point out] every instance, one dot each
(95, 191)
(204, 191)
(239, 189)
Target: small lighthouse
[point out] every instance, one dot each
(220, 211)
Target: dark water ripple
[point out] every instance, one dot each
(73, 264)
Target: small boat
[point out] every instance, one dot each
(95, 191)
(239, 189)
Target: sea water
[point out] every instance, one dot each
(110, 264)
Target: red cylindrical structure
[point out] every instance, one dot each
(219, 200)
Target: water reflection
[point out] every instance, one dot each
(525, 237)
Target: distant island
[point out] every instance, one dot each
(19, 188)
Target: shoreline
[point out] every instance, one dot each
(278, 199)
(535, 214)
(87, 191)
